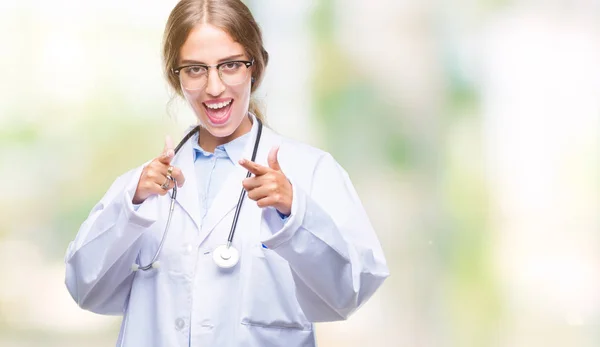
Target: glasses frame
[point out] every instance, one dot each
(247, 63)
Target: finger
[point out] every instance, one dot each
(177, 174)
(166, 158)
(253, 167)
(168, 144)
(168, 152)
(155, 187)
(155, 171)
(272, 159)
(259, 193)
(169, 184)
(266, 202)
(253, 182)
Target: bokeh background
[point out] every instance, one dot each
(470, 129)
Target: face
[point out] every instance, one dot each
(221, 108)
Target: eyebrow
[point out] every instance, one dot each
(231, 57)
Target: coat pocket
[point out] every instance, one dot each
(269, 293)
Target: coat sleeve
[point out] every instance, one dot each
(333, 252)
(98, 262)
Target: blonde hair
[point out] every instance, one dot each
(231, 16)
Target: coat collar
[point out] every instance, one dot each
(232, 150)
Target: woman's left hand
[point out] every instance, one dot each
(268, 186)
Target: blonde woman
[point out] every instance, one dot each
(237, 236)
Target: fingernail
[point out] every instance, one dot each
(242, 161)
(170, 153)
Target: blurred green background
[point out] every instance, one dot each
(470, 130)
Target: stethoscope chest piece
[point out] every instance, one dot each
(226, 257)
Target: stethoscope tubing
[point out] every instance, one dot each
(154, 263)
(243, 191)
(162, 240)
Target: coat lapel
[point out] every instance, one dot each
(226, 199)
(187, 195)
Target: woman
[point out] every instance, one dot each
(306, 251)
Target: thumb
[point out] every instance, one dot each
(272, 159)
(168, 151)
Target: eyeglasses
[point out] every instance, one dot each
(195, 76)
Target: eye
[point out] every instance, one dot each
(231, 66)
(194, 70)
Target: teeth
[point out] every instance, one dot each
(218, 105)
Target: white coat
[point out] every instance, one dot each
(320, 265)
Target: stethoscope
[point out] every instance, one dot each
(225, 256)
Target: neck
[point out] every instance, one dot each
(209, 142)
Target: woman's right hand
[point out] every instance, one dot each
(154, 175)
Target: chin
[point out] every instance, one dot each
(219, 131)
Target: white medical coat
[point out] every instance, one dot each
(322, 264)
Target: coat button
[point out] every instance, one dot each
(179, 323)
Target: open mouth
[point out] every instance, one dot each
(218, 112)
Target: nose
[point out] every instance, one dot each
(214, 85)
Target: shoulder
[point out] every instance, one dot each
(294, 149)
(302, 162)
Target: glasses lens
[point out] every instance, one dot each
(233, 73)
(193, 77)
